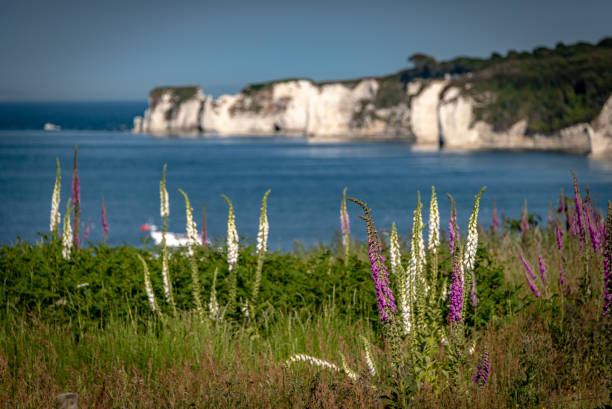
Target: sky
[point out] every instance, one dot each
(65, 50)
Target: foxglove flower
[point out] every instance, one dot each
(482, 370)
(67, 235)
(104, 222)
(345, 227)
(380, 276)
(192, 237)
(232, 236)
(86, 233)
(348, 371)
(453, 228)
(55, 201)
(559, 233)
(456, 290)
(368, 356)
(434, 223)
(607, 263)
(164, 199)
(149, 287)
(530, 276)
(164, 212)
(313, 361)
(472, 246)
(262, 240)
(190, 226)
(550, 217)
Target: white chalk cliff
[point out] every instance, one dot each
(434, 115)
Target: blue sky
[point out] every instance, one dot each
(119, 50)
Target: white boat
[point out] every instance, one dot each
(172, 239)
(49, 127)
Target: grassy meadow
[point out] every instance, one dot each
(482, 314)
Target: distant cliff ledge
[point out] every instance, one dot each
(557, 100)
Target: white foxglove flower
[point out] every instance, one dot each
(262, 234)
(348, 371)
(55, 201)
(67, 235)
(472, 238)
(368, 356)
(190, 227)
(434, 223)
(149, 286)
(232, 236)
(313, 361)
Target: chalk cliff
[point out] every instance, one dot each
(432, 114)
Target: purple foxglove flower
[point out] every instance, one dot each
(380, 276)
(543, 269)
(104, 223)
(530, 276)
(473, 292)
(607, 263)
(453, 229)
(482, 370)
(559, 236)
(204, 236)
(456, 291)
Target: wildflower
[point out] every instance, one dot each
(104, 223)
(67, 235)
(262, 234)
(453, 228)
(559, 233)
(149, 286)
(192, 237)
(530, 276)
(76, 198)
(350, 373)
(368, 356)
(232, 249)
(456, 290)
(550, 217)
(434, 223)
(213, 305)
(164, 199)
(55, 201)
(607, 253)
(345, 226)
(232, 236)
(495, 224)
(543, 269)
(472, 245)
(482, 370)
(190, 226)
(384, 296)
(313, 361)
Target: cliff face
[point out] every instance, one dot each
(432, 114)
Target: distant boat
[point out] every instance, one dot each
(49, 127)
(172, 239)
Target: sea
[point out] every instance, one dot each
(306, 179)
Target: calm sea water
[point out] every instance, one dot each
(306, 182)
